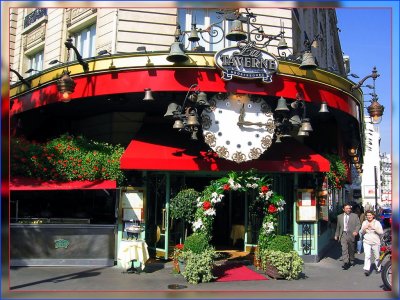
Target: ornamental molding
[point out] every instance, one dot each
(75, 15)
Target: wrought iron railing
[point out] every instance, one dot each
(34, 16)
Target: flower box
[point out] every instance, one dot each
(273, 272)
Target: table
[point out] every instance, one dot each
(237, 232)
(132, 250)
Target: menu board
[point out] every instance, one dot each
(132, 199)
(306, 206)
(132, 205)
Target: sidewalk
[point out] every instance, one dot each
(324, 279)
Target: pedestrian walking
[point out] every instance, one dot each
(359, 211)
(372, 231)
(347, 228)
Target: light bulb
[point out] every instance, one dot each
(65, 97)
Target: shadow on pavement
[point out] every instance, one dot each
(72, 276)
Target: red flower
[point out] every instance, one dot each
(227, 187)
(206, 205)
(179, 246)
(272, 209)
(264, 189)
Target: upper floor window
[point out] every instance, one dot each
(84, 41)
(36, 62)
(204, 18)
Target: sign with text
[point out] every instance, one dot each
(306, 206)
(246, 61)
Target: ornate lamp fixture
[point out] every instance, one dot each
(102, 52)
(21, 78)
(65, 84)
(375, 110)
(187, 116)
(293, 117)
(308, 60)
(70, 46)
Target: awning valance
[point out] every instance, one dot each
(30, 184)
(166, 149)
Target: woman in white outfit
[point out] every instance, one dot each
(371, 230)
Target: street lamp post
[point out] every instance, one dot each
(376, 190)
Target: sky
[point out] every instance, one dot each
(365, 35)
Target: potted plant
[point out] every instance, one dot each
(278, 264)
(279, 260)
(178, 268)
(183, 207)
(196, 260)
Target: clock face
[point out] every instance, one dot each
(238, 127)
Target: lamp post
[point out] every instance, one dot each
(375, 110)
(376, 190)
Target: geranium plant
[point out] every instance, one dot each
(337, 174)
(66, 158)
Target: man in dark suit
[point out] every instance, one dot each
(347, 228)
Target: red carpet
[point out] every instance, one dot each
(236, 272)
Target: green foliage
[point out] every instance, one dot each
(289, 265)
(66, 158)
(183, 205)
(196, 243)
(267, 232)
(282, 243)
(199, 266)
(337, 174)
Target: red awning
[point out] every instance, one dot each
(29, 184)
(171, 150)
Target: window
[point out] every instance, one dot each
(84, 41)
(203, 18)
(36, 62)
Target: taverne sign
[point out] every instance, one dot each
(246, 61)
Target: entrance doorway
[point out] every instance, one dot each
(229, 222)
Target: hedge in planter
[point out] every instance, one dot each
(288, 265)
(199, 266)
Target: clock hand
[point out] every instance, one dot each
(241, 116)
(242, 122)
(248, 123)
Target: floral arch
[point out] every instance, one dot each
(245, 181)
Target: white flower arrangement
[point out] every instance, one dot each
(210, 212)
(197, 224)
(268, 227)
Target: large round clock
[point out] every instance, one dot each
(238, 127)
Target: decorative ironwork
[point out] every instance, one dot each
(306, 238)
(215, 32)
(188, 115)
(34, 16)
(206, 122)
(375, 110)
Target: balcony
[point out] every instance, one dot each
(34, 16)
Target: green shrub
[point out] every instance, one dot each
(282, 243)
(199, 266)
(183, 205)
(289, 265)
(197, 243)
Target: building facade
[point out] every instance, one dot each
(117, 56)
(386, 179)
